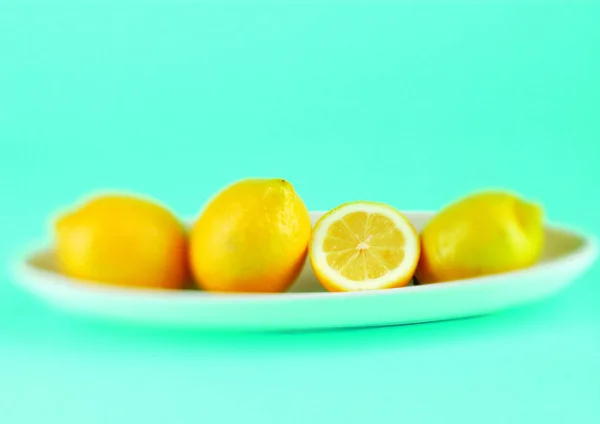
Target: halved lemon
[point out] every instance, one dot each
(364, 246)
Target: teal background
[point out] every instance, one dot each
(415, 103)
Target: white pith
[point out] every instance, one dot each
(411, 247)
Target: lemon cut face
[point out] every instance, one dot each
(364, 246)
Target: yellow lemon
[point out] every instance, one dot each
(364, 246)
(251, 237)
(122, 240)
(485, 233)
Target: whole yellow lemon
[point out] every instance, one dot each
(122, 240)
(485, 233)
(251, 237)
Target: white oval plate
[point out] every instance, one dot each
(307, 305)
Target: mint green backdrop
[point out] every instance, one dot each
(414, 103)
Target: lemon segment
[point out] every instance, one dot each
(364, 246)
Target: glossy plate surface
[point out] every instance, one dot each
(307, 305)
